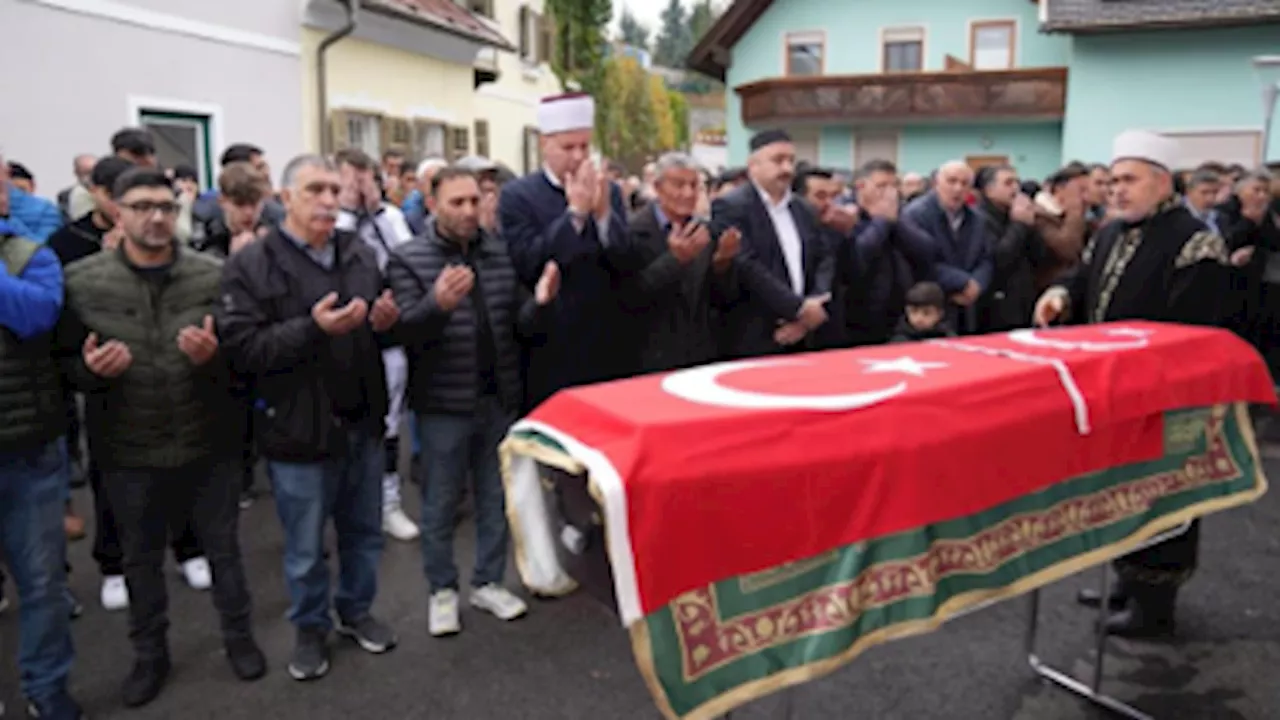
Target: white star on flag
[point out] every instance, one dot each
(904, 365)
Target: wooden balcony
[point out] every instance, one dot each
(1029, 94)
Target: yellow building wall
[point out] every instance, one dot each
(368, 77)
(511, 104)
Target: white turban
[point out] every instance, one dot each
(1144, 145)
(563, 113)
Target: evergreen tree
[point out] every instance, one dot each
(701, 19)
(579, 28)
(631, 31)
(674, 40)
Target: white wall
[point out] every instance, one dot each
(77, 68)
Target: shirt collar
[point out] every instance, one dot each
(768, 201)
(551, 178)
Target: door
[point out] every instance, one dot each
(806, 142)
(980, 161)
(875, 145)
(181, 139)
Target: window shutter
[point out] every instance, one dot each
(545, 39)
(482, 138)
(459, 143)
(524, 31)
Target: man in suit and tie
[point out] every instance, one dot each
(784, 269)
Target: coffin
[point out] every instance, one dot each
(760, 523)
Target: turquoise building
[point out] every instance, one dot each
(1034, 84)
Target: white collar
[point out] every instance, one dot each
(551, 178)
(768, 201)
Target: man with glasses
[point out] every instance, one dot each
(300, 317)
(140, 341)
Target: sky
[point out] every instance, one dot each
(648, 12)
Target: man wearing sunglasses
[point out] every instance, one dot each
(139, 340)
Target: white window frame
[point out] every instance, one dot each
(139, 105)
(905, 33)
(803, 37)
(1015, 47)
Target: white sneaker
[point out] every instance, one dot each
(115, 593)
(398, 525)
(197, 573)
(499, 601)
(442, 616)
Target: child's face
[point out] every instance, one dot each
(924, 318)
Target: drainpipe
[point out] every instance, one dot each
(322, 75)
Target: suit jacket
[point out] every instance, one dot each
(762, 296)
(671, 309)
(960, 255)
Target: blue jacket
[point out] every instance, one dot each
(32, 217)
(958, 255)
(31, 303)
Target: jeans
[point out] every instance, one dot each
(33, 494)
(348, 488)
(452, 445)
(145, 502)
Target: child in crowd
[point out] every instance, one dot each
(925, 315)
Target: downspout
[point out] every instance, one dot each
(322, 74)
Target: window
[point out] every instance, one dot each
(903, 49)
(181, 139)
(482, 138)
(364, 132)
(428, 139)
(481, 7)
(534, 36)
(992, 45)
(459, 143)
(532, 150)
(397, 134)
(805, 52)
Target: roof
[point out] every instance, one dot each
(445, 15)
(711, 55)
(1102, 15)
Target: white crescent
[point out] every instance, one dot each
(702, 385)
(1136, 339)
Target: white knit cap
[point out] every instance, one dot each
(563, 113)
(1145, 145)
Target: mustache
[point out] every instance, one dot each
(330, 214)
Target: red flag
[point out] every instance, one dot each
(733, 468)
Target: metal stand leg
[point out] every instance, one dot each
(1091, 692)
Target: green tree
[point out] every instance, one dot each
(631, 31)
(674, 40)
(579, 28)
(680, 116)
(626, 130)
(701, 18)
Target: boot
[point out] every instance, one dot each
(1149, 613)
(145, 682)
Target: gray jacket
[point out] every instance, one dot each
(443, 347)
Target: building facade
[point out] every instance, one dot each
(989, 81)
(200, 75)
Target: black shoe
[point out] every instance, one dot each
(1146, 615)
(246, 658)
(1090, 597)
(310, 655)
(369, 634)
(58, 707)
(145, 682)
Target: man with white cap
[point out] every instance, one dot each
(569, 212)
(1157, 262)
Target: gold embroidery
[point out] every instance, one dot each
(768, 578)
(1113, 271)
(1204, 245)
(1087, 256)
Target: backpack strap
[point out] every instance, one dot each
(16, 253)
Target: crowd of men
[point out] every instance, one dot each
(181, 337)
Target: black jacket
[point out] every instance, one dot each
(443, 347)
(670, 308)
(905, 332)
(763, 294)
(1017, 249)
(308, 384)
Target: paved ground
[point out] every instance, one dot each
(569, 660)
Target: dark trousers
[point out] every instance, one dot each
(107, 549)
(145, 501)
(1165, 565)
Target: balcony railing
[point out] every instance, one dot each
(1030, 94)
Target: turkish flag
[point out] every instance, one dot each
(738, 467)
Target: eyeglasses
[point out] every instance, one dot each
(146, 207)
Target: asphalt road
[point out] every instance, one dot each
(569, 660)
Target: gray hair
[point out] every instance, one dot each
(1261, 176)
(429, 164)
(1203, 177)
(673, 161)
(297, 164)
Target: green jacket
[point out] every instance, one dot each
(163, 411)
(32, 410)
